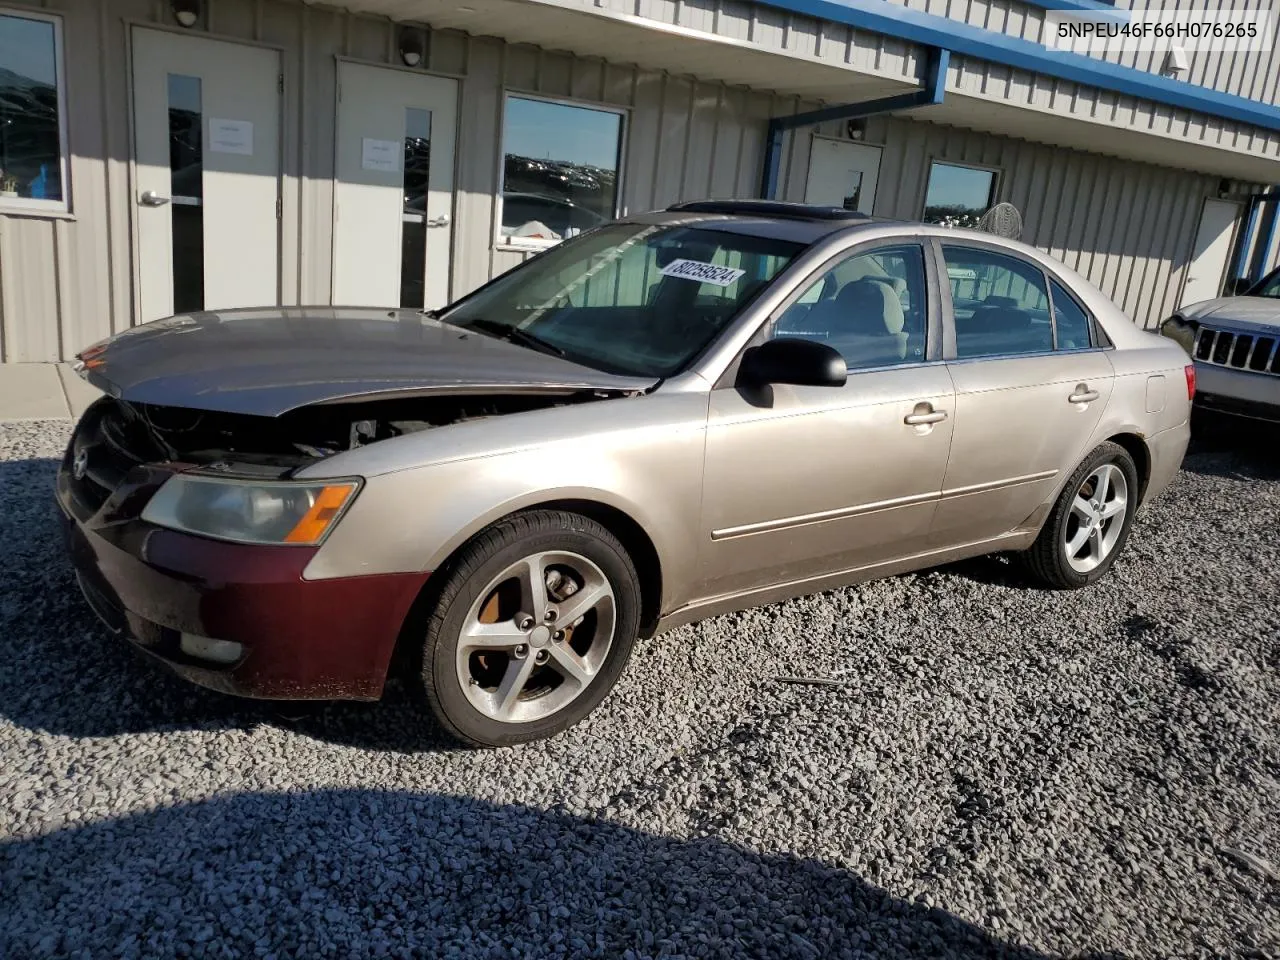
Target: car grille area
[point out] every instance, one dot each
(1251, 352)
(109, 441)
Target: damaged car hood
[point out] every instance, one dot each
(267, 362)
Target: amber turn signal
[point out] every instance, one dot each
(329, 503)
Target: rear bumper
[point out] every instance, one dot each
(301, 639)
(1253, 396)
(1167, 450)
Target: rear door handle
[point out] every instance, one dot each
(926, 417)
(1083, 394)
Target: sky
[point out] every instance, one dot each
(959, 186)
(556, 131)
(26, 47)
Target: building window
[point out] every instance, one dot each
(958, 196)
(559, 169)
(32, 158)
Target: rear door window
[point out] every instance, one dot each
(1070, 320)
(1000, 303)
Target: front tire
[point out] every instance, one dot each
(531, 628)
(1089, 523)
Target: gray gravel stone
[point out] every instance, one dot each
(1000, 771)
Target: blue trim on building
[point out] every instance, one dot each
(914, 26)
(933, 92)
(1241, 267)
(1081, 5)
(1270, 216)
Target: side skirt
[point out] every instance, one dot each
(775, 593)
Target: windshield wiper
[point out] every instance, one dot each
(515, 335)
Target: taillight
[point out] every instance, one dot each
(1190, 371)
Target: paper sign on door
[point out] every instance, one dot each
(381, 155)
(231, 136)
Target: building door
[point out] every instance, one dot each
(842, 174)
(393, 198)
(1209, 257)
(207, 149)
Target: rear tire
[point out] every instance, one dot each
(509, 654)
(1089, 524)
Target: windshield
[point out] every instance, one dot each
(1269, 287)
(635, 299)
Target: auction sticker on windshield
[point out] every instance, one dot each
(704, 272)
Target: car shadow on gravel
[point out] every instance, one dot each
(1233, 448)
(391, 873)
(67, 675)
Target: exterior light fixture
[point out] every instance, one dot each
(186, 12)
(1176, 60)
(410, 47)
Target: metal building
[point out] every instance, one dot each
(166, 155)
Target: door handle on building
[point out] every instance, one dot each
(150, 198)
(1083, 394)
(924, 414)
(440, 221)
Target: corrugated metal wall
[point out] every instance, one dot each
(1128, 227)
(799, 36)
(778, 31)
(65, 282)
(1000, 83)
(1254, 74)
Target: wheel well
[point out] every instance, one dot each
(638, 545)
(632, 536)
(1136, 448)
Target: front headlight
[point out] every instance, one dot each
(1181, 331)
(250, 511)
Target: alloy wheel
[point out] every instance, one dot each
(1096, 519)
(536, 637)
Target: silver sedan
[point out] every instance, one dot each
(672, 416)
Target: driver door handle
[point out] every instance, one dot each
(924, 414)
(1083, 394)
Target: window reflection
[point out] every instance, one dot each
(958, 196)
(413, 236)
(186, 190)
(560, 171)
(30, 151)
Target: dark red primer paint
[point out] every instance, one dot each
(303, 639)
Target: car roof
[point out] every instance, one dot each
(809, 223)
(798, 222)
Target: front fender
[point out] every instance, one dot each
(413, 519)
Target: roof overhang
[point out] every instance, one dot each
(1166, 144)
(598, 33)
(1092, 105)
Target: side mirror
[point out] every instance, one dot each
(804, 363)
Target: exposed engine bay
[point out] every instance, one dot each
(300, 437)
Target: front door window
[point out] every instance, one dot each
(870, 307)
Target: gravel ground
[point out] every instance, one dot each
(999, 771)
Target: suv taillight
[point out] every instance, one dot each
(1190, 371)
